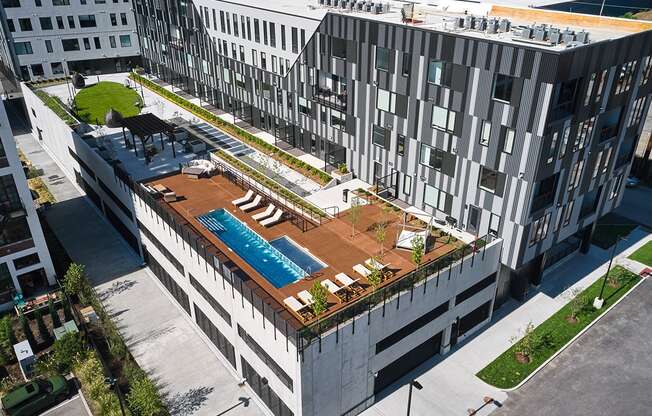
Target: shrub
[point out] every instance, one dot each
(143, 398)
(43, 331)
(74, 280)
(66, 351)
(54, 104)
(7, 338)
(90, 373)
(54, 315)
(27, 330)
(67, 312)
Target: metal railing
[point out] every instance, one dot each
(329, 97)
(444, 264)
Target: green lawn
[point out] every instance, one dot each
(506, 372)
(643, 254)
(94, 101)
(609, 228)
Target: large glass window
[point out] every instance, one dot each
(46, 23)
(434, 198)
(485, 134)
(503, 85)
(87, 20)
(488, 179)
(386, 101)
(382, 58)
(442, 118)
(23, 48)
(540, 229)
(25, 24)
(378, 135)
(508, 144)
(125, 41)
(435, 69)
(338, 48)
(431, 157)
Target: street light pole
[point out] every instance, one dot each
(597, 302)
(418, 387)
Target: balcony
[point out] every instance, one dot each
(330, 98)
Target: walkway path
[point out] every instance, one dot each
(158, 333)
(451, 387)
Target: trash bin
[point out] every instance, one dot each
(345, 195)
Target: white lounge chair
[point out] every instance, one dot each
(262, 215)
(338, 291)
(273, 219)
(306, 297)
(253, 204)
(243, 200)
(361, 270)
(348, 283)
(374, 264)
(294, 304)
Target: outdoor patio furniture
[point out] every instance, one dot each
(243, 200)
(253, 204)
(192, 172)
(297, 307)
(274, 219)
(406, 237)
(374, 264)
(159, 188)
(306, 297)
(361, 270)
(348, 283)
(262, 215)
(170, 196)
(338, 291)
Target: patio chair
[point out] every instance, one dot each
(306, 297)
(297, 307)
(262, 215)
(348, 283)
(243, 200)
(374, 264)
(253, 204)
(274, 219)
(361, 270)
(170, 196)
(338, 291)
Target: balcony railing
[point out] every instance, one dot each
(329, 97)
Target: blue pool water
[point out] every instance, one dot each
(276, 267)
(297, 254)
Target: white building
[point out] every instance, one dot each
(52, 38)
(25, 264)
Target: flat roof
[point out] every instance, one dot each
(330, 242)
(440, 16)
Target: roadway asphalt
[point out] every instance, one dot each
(606, 372)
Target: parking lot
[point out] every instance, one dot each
(607, 371)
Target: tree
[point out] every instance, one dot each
(375, 277)
(7, 339)
(43, 332)
(354, 216)
(66, 351)
(74, 279)
(319, 297)
(578, 303)
(67, 312)
(418, 249)
(27, 330)
(56, 322)
(143, 398)
(381, 234)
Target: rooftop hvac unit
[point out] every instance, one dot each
(328, 2)
(368, 7)
(554, 36)
(359, 6)
(386, 8)
(468, 22)
(459, 22)
(504, 25)
(568, 36)
(582, 37)
(525, 33)
(378, 9)
(480, 24)
(321, 2)
(492, 26)
(540, 34)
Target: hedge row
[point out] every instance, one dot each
(256, 142)
(57, 106)
(269, 183)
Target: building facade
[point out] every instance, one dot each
(25, 264)
(529, 142)
(49, 39)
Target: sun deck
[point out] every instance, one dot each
(331, 242)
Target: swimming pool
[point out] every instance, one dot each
(268, 260)
(297, 254)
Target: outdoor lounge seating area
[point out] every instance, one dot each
(348, 260)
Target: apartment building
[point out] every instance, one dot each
(53, 38)
(515, 139)
(25, 264)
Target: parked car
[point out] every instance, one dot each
(32, 398)
(632, 182)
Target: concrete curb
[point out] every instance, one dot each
(579, 334)
(83, 399)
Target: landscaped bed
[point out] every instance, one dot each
(540, 343)
(92, 102)
(643, 254)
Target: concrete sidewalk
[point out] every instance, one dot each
(450, 384)
(159, 334)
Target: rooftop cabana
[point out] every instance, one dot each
(145, 126)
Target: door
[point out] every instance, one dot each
(473, 225)
(455, 332)
(378, 171)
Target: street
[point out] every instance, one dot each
(607, 371)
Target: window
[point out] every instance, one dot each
(272, 34)
(647, 69)
(60, 22)
(434, 198)
(406, 64)
(263, 60)
(57, 68)
(234, 51)
(568, 212)
(265, 38)
(87, 20)
(596, 166)
(564, 142)
(242, 53)
(540, 229)
(123, 19)
(435, 68)
(257, 30)
(442, 118)
(228, 23)
(407, 184)
(400, 145)
(625, 75)
(610, 123)
(494, 223)
(125, 41)
(26, 261)
(411, 327)
(239, 81)
(584, 132)
(10, 3)
(379, 135)
(475, 289)
(338, 48)
(382, 58)
(98, 44)
(552, 150)
(508, 140)
(303, 38)
(338, 120)
(112, 41)
(87, 43)
(114, 20)
(575, 175)
(485, 134)
(25, 24)
(254, 57)
(222, 25)
(607, 160)
(636, 114)
(266, 358)
(488, 179)
(283, 45)
(71, 22)
(48, 46)
(431, 156)
(46, 23)
(305, 106)
(235, 25)
(10, 25)
(616, 187)
(503, 88)
(23, 48)
(386, 101)
(37, 70)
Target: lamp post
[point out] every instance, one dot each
(599, 301)
(112, 383)
(418, 386)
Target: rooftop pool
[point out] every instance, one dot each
(281, 262)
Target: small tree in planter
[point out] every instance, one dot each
(418, 249)
(74, 279)
(381, 234)
(577, 304)
(27, 330)
(354, 216)
(56, 322)
(42, 328)
(524, 348)
(615, 277)
(375, 278)
(320, 298)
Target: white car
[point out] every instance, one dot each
(632, 182)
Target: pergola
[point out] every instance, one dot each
(145, 126)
